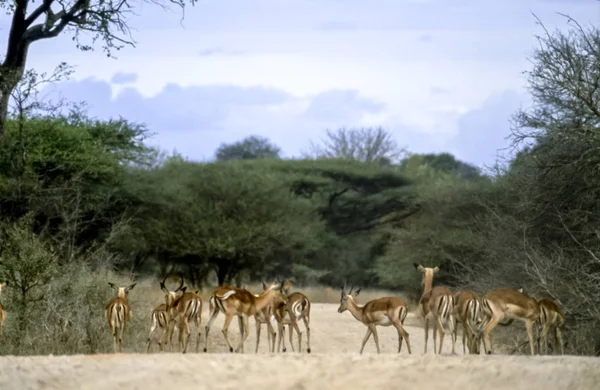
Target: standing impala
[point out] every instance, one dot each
(2, 311)
(383, 311)
(468, 312)
(182, 309)
(118, 313)
(436, 303)
(233, 301)
(504, 304)
(290, 309)
(551, 319)
(159, 319)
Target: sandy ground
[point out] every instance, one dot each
(334, 363)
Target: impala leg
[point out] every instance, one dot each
(291, 335)
(121, 330)
(297, 329)
(492, 323)
(187, 336)
(228, 319)
(307, 326)
(426, 327)
(375, 337)
(240, 348)
(464, 336)
(152, 329)
(257, 322)
(271, 334)
(281, 336)
(435, 332)
(163, 338)
(559, 339)
(213, 315)
(529, 326)
(198, 322)
(243, 331)
(402, 334)
(365, 339)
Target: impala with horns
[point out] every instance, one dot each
(118, 314)
(382, 311)
(159, 319)
(468, 312)
(233, 301)
(289, 310)
(437, 304)
(182, 309)
(2, 311)
(505, 304)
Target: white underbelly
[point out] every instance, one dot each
(384, 321)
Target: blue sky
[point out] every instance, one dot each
(441, 75)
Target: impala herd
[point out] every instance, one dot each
(478, 315)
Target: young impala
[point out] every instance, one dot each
(383, 312)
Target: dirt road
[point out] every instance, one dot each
(334, 364)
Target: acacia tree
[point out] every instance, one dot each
(98, 19)
(251, 147)
(368, 144)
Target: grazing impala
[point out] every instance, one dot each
(504, 304)
(288, 311)
(182, 309)
(436, 303)
(118, 313)
(158, 319)
(262, 317)
(551, 319)
(233, 301)
(468, 312)
(383, 311)
(2, 311)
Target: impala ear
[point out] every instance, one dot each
(113, 286)
(265, 287)
(419, 267)
(183, 289)
(130, 287)
(436, 269)
(357, 292)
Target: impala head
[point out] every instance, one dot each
(427, 272)
(122, 291)
(345, 297)
(272, 287)
(170, 296)
(286, 286)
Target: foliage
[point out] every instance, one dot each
(251, 147)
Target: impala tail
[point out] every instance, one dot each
(446, 308)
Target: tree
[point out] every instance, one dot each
(360, 144)
(104, 20)
(249, 148)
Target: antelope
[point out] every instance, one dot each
(468, 312)
(158, 319)
(262, 317)
(183, 308)
(382, 311)
(233, 301)
(436, 303)
(2, 311)
(504, 304)
(551, 318)
(118, 313)
(288, 311)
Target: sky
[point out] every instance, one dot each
(440, 75)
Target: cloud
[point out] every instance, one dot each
(482, 132)
(347, 104)
(124, 78)
(337, 26)
(425, 37)
(196, 119)
(439, 91)
(220, 51)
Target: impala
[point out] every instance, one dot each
(504, 304)
(288, 311)
(551, 318)
(158, 319)
(436, 303)
(233, 301)
(182, 309)
(2, 311)
(118, 313)
(468, 312)
(262, 317)
(382, 311)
